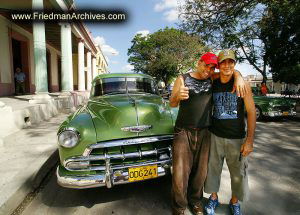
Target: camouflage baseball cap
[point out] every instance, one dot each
(226, 54)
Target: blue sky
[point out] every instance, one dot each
(145, 16)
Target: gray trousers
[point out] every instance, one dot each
(229, 149)
(190, 157)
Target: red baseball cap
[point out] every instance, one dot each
(209, 58)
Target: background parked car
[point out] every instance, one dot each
(271, 106)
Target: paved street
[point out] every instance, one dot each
(274, 176)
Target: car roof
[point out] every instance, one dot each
(113, 75)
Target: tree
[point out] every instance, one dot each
(280, 32)
(165, 53)
(234, 24)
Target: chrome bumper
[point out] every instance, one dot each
(279, 113)
(109, 178)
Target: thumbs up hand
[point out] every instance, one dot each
(183, 90)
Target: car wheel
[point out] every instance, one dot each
(258, 113)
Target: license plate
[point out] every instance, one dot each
(285, 113)
(142, 173)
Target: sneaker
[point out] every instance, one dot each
(211, 206)
(235, 208)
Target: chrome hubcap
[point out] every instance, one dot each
(257, 113)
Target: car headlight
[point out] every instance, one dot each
(68, 138)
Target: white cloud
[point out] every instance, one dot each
(107, 49)
(170, 8)
(171, 15)
(99, 40)
(143, 32)
(165, 4)
(114, 62)
(128, 68)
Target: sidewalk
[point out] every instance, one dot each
(26, 157)
(28, 143)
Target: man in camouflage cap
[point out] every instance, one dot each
(228, 137)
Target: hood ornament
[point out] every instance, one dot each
(136, 129)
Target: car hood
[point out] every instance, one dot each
(113, 114)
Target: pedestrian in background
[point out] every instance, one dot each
(20, 81)
(263, 89)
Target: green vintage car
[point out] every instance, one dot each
(123, 134)
(271, 106)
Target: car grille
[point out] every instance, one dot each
(131, 154)
(122, 155)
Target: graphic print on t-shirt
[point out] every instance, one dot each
(225, 105)
(203, 86)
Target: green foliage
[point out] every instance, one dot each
(247, 26)
(280, 31)
(165, 53)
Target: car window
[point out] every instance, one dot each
(120, 85)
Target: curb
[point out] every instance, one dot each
(38, 171)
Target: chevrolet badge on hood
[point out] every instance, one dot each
(138, 128)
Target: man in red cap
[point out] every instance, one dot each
(193, 93)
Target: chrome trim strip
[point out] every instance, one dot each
(125, 142)
(103, 168)
(130, 141)
(116, 177)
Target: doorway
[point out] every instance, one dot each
(59, 72)
(20, 60)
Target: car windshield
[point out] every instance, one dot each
(122, 85)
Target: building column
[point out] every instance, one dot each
(40, 61)
(66, 57)
(95, 72)
(89, 72)
(81, 78)
(5, 67)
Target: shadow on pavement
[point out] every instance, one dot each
(156, 191)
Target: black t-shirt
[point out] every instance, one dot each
(195, 112)
(228, 112)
